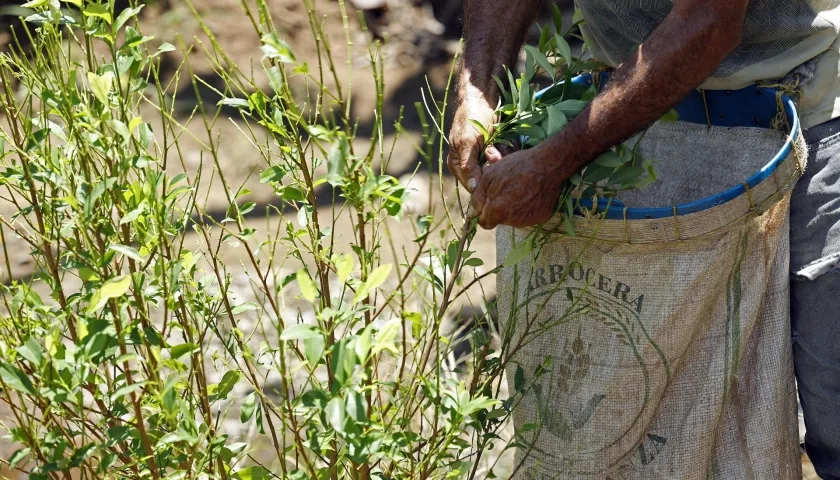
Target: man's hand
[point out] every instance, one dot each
(493, 33)
(466, 141)
(677, 57)
(521, 190)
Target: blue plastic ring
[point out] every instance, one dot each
(748, 107)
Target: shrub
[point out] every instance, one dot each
(142, 357)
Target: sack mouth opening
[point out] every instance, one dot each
(752, 106)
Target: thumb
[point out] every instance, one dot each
(477, 200)
(493, 154)
(470, 170)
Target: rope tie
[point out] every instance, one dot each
(749, 196)
(676, 223)
(706, 108)
(626, 227)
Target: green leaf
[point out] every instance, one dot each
(556, 120)
(244, 307)
(128, 252)
(531, 132)
(313, 349)
(32, 351)
(179, 351)
(273, 174)
(125, 15)
(134, 214)
(545, 37)
(361, 345)
(385, 337)
(253, 473)
(299, 331)
(335, 414)
(571, 108)
(101, 86)
(15, 379)
(306, 285)
(452, 254)
(18, 456)
(519, 379)
(277, 49)
(356, 406)
(113, 288)
(343, 361)
(126, 390)
(163, 48)
(477, 405)
(564, 49)
(514, 92)
(481, 128)
(609, 159)
(670, 116)
(313, 341)
(344, 267)
(337, 161)
(530, 66)
(169, 398)
(259, 419)
(502, 90)
(35, 3)
(474, 262)
(541, 60)
(376, 278)
(558, 18)
(627, 176)
(223, 389)
(99, 11)
(519, 252)
(249, 404)
(416, 323)
(578, 16)
(524, 94)
(234, 102)
(594, 174)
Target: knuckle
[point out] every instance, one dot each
(452, 160)
(454, 138)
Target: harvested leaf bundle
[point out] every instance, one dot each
(528, 117)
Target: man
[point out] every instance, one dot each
(682, 45)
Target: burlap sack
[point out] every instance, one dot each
(660, 349)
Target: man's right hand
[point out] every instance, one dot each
(466, 141)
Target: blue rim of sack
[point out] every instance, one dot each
(752, 106)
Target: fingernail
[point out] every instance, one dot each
(493, 152)
(471, 184)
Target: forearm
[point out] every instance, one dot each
(494, 31)
(677, 57)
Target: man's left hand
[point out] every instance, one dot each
(520, 190)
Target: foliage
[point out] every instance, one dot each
(527, 117)
(142, 357)
(133, 353)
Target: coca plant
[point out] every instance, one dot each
(135, 350)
